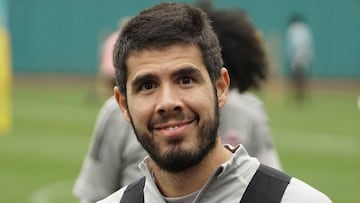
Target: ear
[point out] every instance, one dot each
(121, 100)
(222, 87)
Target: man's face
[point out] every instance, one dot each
(172, 105)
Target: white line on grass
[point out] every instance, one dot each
(325, 142)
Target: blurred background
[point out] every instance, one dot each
(49, 63)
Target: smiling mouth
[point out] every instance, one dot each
(172, 125)
(170, 128)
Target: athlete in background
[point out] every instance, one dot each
(300, 55)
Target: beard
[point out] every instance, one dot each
(177, 159)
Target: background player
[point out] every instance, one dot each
(300, 54)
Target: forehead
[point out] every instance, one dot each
(164, 59)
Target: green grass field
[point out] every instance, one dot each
(52, 124)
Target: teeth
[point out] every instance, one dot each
(172, 128)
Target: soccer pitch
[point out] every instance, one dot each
(40, 158)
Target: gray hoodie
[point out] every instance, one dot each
(227, 184)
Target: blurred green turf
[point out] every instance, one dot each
(319, 141)
(52, 124)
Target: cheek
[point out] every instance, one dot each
(138, 110)
(201, 101)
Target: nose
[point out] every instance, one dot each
(168, 100)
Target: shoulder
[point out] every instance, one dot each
(111, 113)
(244, 100)
(115, 197)
(251, 100)
(110, 105)
(245, 105)
(299, 191)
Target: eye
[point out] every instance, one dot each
(148, 85)
(186, 80)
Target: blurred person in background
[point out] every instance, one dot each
(114, 154)
(244, 120)
(299, 53)
(106, 71)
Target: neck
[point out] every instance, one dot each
(193, 179)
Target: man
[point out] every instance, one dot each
(244, 119)
(299, 53)
(115, 153)
(106, 72)
(170, 86)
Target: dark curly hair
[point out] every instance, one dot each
(242, 48)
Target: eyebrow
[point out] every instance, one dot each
(140, 79)
(188, 70)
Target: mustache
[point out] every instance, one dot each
(166, 117)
